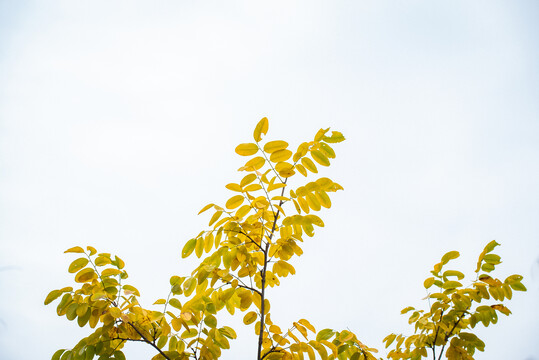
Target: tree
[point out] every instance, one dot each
(249, 247)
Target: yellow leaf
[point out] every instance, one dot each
(215, 217)
(205, 208)
(255, 163)
(327, 150)
(275, 329)
(319, 157)
(320, 134)
(242, 211)
(76, 249)
(428, 282)
(233, 187)
(234, 201)
(280, 155)
(115, 312)
(276, 145)
(252, 187)
(246, 149)
(85, 275)
(303, 204)
(301, 169)
(261, 128)
(250, 318)
(208, 242)
(323, 198)
(313, 202)
(307, 324)
(309, 165)
(247, 179)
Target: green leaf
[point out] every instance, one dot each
(57, 354)
(325, 334)
(518, 286)
(118, 355)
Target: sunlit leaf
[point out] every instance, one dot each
(247, 149)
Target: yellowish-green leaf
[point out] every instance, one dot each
(246, 149)
(309, 165)
(77, 264)
(320, 134)
(188, 248)
(451, 285)
(327, 150)
(301, 169)
(336, 137)
(53, 295)
(210, 321)
(85, 275)
(261, 128)
(450, 256)
(325, 334)
(319, 157)
(91, 249)
(234, 201)
(57, 354)
(428, 282)
(315, 220)
(128, 289)
(76, 249)
(455, 273)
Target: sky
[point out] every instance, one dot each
(119, 119)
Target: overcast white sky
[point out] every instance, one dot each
(118, 121)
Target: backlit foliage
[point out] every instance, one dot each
(249, 245)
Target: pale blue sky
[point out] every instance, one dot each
(118, 121)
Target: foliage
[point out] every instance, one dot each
(247, 248)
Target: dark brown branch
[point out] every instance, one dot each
(148, 341)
